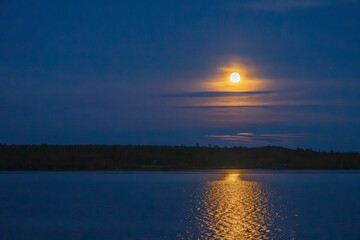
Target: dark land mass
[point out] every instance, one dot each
(138, 157)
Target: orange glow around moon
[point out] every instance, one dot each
(233, 77)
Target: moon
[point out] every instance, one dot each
(235, 77)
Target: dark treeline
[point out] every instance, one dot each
(136, 157)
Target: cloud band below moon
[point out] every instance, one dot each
(216, 94)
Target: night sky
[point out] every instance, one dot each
(157, 72)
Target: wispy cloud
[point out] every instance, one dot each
(216, 94)
(257, 139)
(253, 106)
(283, 5)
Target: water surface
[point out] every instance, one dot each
(180, 205)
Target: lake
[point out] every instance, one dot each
(227, 204)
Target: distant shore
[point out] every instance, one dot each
(169, 158)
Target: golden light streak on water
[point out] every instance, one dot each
(234, 208)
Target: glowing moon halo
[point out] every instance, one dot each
(235, 77)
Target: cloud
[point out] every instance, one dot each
(216, 94)
(257, 139)
(251, 106)
(314, 106)
(284, 5)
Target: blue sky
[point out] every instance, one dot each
(156, 72)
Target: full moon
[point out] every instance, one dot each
(235, 77)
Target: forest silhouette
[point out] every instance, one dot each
(141, 157)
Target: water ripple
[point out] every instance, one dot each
(234, 208)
